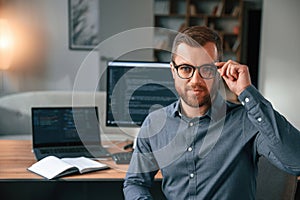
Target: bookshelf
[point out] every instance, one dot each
(224, 16)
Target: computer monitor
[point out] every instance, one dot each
(134, 89)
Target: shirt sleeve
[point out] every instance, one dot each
(142, 169)
(277, 140)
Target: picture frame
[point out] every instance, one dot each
(84, 24)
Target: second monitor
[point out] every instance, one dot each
(134, 89)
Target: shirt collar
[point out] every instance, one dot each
(176, 110)
(216, 112)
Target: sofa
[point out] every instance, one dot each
(15, 111)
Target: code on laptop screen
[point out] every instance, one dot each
(57, 125)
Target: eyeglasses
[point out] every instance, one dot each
(206, 71)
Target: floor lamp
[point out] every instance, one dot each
(6, 48)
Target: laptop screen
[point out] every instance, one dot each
(65, 126)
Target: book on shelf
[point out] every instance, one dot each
(214, 10)
(219, 10)
(193, 10)
(235, 11)
(52, 167)
(236, 45)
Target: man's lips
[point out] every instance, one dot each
(198, 89)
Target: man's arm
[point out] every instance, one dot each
(140, 176)
(142, 168)
(278, 140)
(137, 186)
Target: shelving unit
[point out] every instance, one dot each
(224, 16)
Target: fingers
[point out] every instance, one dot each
(229, 69)
(219, 64)
(236, 76)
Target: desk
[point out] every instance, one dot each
(16, 182)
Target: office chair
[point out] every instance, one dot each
(274, 184)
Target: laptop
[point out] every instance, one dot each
(66, 132)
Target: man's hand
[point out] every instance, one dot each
(236, 76)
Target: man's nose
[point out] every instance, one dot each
(196, 78)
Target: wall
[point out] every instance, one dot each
(279, 59)
(43, 60)
(46, 63)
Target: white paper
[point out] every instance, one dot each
(49, 167)
(84, 164)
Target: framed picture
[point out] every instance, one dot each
(83, 24)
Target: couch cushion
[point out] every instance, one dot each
(15, 109)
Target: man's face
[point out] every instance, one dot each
(195, 91)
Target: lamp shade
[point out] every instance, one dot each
(6, 45)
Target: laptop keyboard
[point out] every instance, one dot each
(82, 150)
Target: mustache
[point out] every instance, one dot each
(196, 87)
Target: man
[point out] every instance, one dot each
(204, 146)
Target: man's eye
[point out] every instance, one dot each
(186, 69)
(207, 69)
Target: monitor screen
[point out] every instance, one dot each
(64, 126)
(134, 89)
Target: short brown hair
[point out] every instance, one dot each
(198, 35)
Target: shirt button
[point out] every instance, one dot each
(247, 99)
(190, 149)
(259, 119)
(192, 175)
(191, 124)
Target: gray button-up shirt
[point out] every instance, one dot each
(213, 156)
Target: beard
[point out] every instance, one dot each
(196, 96)
(194, 100)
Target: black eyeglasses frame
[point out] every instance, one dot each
(194, 69)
